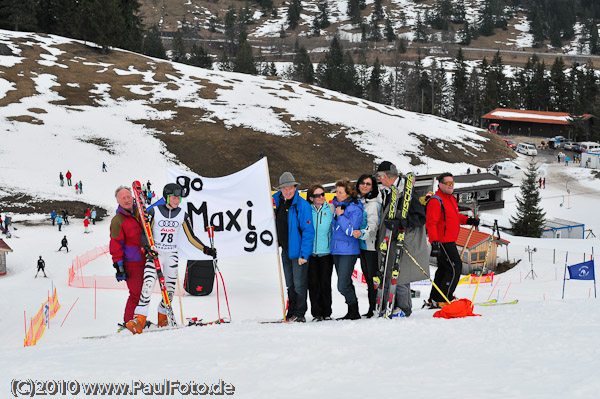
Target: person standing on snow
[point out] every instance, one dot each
(53, 216)
(345, 248)
(64, 244)
(86, 225)
(40, 266)
(61, 178)
(443, 224)
(80, 187)
(320, 263)
(68, 176)
(93, 216)
(104, 167)
(76, 188)
(295, 234)
(126, 248)
(168, 222)
(59, 222)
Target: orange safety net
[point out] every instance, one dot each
(458, 308)
(78, 280)
(37, 324)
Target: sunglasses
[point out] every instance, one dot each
(448, 183)
(364, 183)
(315, 195)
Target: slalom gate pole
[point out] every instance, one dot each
(487, 254)
(425, 273)
(67, 315)
(468, 237)
(211, 237)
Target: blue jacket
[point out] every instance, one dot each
(322, 220)
(300, 227)
(344, 242)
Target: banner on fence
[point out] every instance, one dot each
(38, 323)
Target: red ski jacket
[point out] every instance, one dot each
(443, 226)
(68, 175)
(126, 237)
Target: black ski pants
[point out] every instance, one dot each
(448, 273)
(320, 269)
(368, 265)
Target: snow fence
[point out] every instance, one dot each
(38, 323)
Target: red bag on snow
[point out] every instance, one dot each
(459, 308)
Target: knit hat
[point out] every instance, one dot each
(387, 166)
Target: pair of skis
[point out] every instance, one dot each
(384, 248)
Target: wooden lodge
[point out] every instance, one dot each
(4, 248)
(476, 250)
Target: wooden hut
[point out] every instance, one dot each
(476, 250)
(4, 248)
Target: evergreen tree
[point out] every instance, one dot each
(466, 34)
(375, 85)
(152, 45)
(420, 34)
(199, 57)
(486, 22)
(390, 35)
(558, 87)
(594, 48)
(213, 22)
(530, 218)
(354, 11)
(374, 32)
(19, 15)
(302, 68)
(459, 15)
(442, 14)
(132, 32)
(323, 14)
(459, 88)
(101, 22)
(230, 29)
(377, 10)
(179, 54)
(244, 60)
(293, 15)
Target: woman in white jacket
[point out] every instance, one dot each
(368, 194)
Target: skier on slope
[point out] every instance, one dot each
(64, 244)
(40, 266)
(167, 221)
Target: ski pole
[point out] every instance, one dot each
(211, 237)
(425, 273)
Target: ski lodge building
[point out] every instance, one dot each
(474, 251)
(4, 248)
(538, 123)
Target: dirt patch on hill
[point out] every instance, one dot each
(24, 203)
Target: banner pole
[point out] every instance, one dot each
(180, 303)
(276, 244)
(565, 275)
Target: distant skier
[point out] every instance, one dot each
(86, 225)
(93, 216)
(53, 216)
(40, 266)
(62, 179)
(76, 188)
(104, 167)
(168, 221)
(59, 221)
(64, 244)
(544, 183)
(68, 176)
(80, 187)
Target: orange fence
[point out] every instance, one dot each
(38, 323)
(78, 280)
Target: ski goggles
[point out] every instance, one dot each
(177, 192)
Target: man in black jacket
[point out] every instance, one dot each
(64, 244)
(40, 266)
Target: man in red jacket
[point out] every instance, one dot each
(126, 248)
(443, 224)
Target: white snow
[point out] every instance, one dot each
(508, 114)
(542, 347)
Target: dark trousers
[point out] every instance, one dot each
(448, 273)
(69, 182)
(344, 266)
(296, 281)
(135, 279)
(368, 265)
(63, 246)
(320, 269)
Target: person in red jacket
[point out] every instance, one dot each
(86, 225)
(68, 175)
(126, 248)
(443, 224)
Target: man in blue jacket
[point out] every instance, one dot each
(295, 233)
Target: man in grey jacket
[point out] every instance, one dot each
(415, 240)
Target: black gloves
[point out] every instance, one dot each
(210, 251)
(121, 274)
(150, 252)
(435, 249)
(473, 221)
(394, 225)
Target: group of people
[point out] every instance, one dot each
(316, 236)
(69, 175)
(5, 224)
(133, 259)
(147, 192)
(542, 182)
(60, 219)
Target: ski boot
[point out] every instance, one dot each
(162, 320)
(137, 324)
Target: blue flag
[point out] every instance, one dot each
(582, 271)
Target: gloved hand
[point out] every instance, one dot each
(473, 221)
(394, 225)
(121, 274)
(210, 251)
(150, 252)
(436, 249)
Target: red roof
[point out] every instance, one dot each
(555, 118)
(4, 246)
(477, 238)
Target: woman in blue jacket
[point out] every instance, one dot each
(345, 247)
(320, 263)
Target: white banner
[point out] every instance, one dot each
(239, 206)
